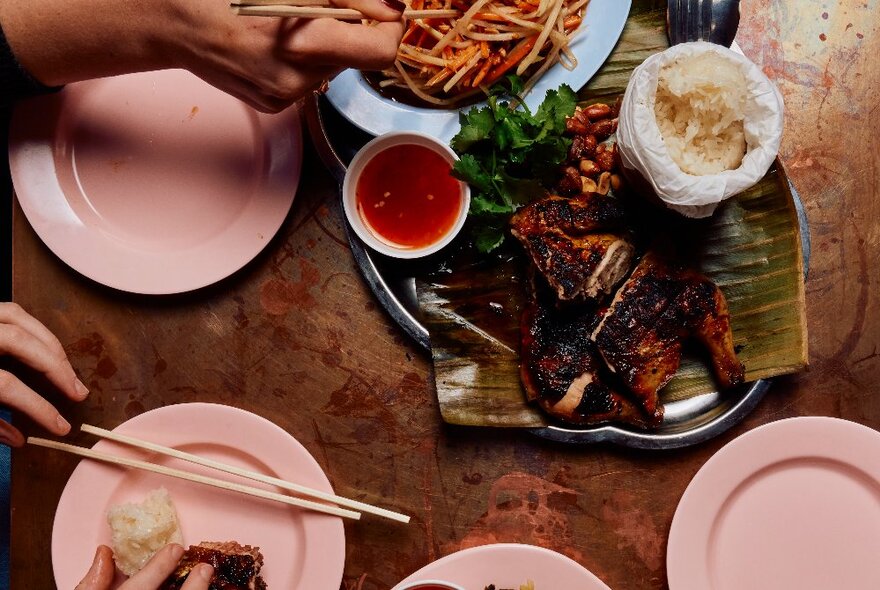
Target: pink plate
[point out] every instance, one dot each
(793, 504)
(155, 182)
(507, 565)
(303, 550)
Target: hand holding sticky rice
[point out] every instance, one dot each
(139, 530)
(699, 123)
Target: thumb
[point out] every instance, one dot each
(100, 575)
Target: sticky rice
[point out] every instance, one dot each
(140, 530)
(700, 108)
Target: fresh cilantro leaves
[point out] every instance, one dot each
(510, 156)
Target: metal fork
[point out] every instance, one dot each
(715, 21)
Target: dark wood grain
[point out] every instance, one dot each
(296, 337)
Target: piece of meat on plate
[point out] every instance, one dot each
(582, 214)
(640, 336)
(570, 243)
(236, 567)
(561, 369)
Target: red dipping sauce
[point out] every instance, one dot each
(407, 197)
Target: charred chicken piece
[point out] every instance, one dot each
(561, 369)
(557, 234)
(236, 567)
(583, 214)
(641, 334)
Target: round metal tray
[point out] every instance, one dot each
(685, 423)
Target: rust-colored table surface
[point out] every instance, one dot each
(297, 337)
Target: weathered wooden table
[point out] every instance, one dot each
(296, 336)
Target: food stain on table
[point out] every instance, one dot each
(92, 346)
(278, 296)
(634, 528)
(523, 508)
(134, 408)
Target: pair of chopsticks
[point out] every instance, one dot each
(339, 501)
(321, 9)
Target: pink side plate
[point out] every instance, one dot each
(303, 550)
(153, 182)
(792, 504)
(508, 565)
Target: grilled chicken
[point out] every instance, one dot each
(641, 334)
(585, 213)
(561, 368)
(569, 243)
(236, 567)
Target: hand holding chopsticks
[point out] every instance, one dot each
(321, 9)
(219, 483)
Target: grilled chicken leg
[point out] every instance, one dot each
(561, 368)
(640, 336)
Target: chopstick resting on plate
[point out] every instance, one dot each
(202, 479)
(213, 482)
(321, 9)
(252, 475)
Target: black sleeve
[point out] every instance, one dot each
(15, 82)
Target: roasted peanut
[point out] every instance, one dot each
(597, 111)
(588, 168)
(575, 149)
(582, 146)
(606, 156)
(578, 122)
(590, 143)
(570, 184)
(603, 128)
(616, 182)
(573, 125)
(588, 185)
(604, 183)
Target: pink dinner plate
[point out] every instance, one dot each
(155, 182)
(792, 504)
(508, 565)
(303, 550)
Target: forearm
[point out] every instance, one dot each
(267, 62)
(61, 41)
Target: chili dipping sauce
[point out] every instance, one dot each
(407, 196)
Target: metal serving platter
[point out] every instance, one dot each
(687, 422)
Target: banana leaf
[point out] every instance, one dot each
(751, 248)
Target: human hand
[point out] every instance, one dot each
(267, 62)
(100, 575)
(23, 337)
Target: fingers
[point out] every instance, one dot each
(157, 569)
(25, 338)
(381, 10)
(276, 96)
(13, 313)
(329, 42)
(199, 578)
(10, 435)
(100, 575)
(17, 395)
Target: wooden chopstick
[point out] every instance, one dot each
(209, 481)
(287, 485)
(310, 9)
